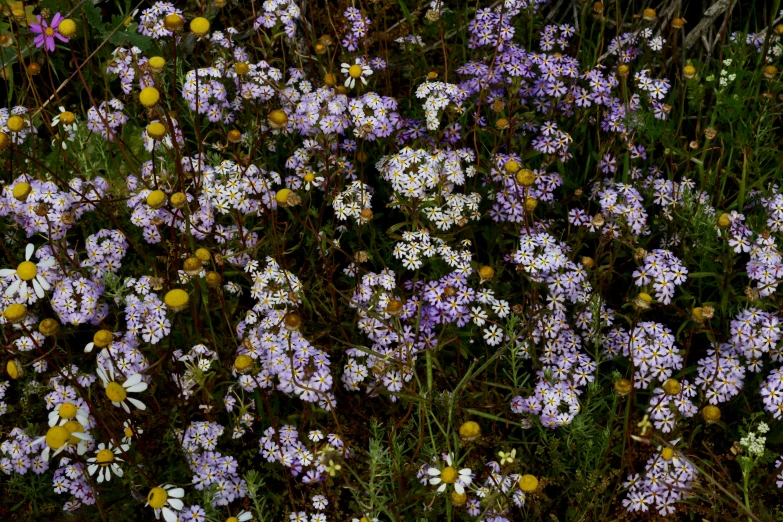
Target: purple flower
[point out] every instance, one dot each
(47, 33)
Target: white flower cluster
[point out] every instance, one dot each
(439, 95)
(753, 442)
(351, 201)
(414, 172)
(417, 245)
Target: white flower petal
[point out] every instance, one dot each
(13, 288)
(433, 471)
(44, 283)
(38, 290)
(458, 488)
(28, 251)
(176, 503)
(140, 405)
(169, 515)
(6, 272)
(176, 493)
(133, 379)
(137, 388)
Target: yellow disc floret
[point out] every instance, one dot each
(149, 96)
(15, 313)
(526, 177)
(173, 22)
(449, 475)
(711, 414)
(623, 387)
(278, 119)
(178, 200)
(243, 362)
(105, 456)
(199, 26)
(74, 427)
(67, 117)
(469, 430)
(177, 299)
(241, 68)
(102, 338)
(355, 71)
(156, 130)
(157, 63)
(22, 190)
(530, 203)
(667, 454)
(14, 369)
(57, 436)
(282, 196)
(67, 410)
(672, 387)
(4, 141)
(115, 392)
(15, 123)
(157, 497)
(67, 28)
(486, 273)
(528, 483)
(203, 254)
(26, 270)
(156, 199)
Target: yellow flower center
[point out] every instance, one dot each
(156, 198)
(667, 454)
(104, 456)
(74, 427)
(115, 392)
(232, 519)
(15, 313)
(57, 436)
(309, 177)
(14, 369)
(176, 299)
(469, 430)
(149, 96)
(67, 410)
(27, 270)
(67, 117)
(49, 31)
(157, 497)
(23, 189)
(449, 475)
(102, 338)
(128, 432)
(15, 123)
(528, 483)
(67, 28)
(243, 362)
(199, 26)
(156, 130)
(203, 254)
(355, 71)
(282, 196)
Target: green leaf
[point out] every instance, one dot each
(93, 15)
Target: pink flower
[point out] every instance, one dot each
(47, 33)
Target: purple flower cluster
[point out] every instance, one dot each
(663, 271)
(107, 118)
(313, 461)
(355, 29)
(212, 467)
(105, 250)
(665, 481)
(282, 11)
(652, 349)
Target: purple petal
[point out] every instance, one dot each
(36, 28)
(57, 19)
(50, 44)
(39, 40)
(61, 37)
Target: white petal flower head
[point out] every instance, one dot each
(450, 475)
(59, 438)
(106, 461)
(118, 393)
(67, 411)
(356, 71)
(166, 500)
(27, 273)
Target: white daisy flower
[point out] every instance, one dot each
(105, 462)
(130, 431)
(58, 438)
(242, 516)
(356, 71)
(118, 393)
(68, 411)
(450, 475)
(166, 499)
(27, 271)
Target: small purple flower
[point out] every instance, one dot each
(47, 33)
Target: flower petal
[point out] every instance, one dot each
(140, 405)
(133, 379)
(28, 251)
